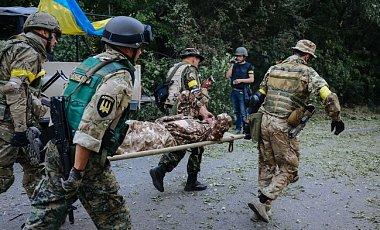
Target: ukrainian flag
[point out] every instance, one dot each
(71, 18)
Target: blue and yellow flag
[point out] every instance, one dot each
(71, 18)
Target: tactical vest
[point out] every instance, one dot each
(176, 74)
(239, 71)
(286, 91)
(82, 85)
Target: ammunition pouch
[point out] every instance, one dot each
(295, 117)
(2, 112)
(5, 113)
(35, 146)
(255, 125)
(111, 142)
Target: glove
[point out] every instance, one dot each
(73, 181)
(338, 126)
(166, 109)
(19, 139)
(247, 131)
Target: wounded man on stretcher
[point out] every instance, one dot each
(174, 130)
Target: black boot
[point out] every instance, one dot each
(158, 174)
(193, 184)
(295, 177)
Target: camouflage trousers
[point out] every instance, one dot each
(170, 160)
(278, 156)
(8, 157)
(98, 193)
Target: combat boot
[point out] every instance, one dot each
(268, 208)
(193, 184)
(260, 210)
(295, 177)
(158, 174)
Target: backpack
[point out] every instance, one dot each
(161, 93)
(161, 90)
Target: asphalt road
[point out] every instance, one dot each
(338, 187)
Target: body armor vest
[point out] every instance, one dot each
(176, 74)
(286, 91)
(82, 85)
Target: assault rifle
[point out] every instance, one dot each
(310, 110)
(62, 138)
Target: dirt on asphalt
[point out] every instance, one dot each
(338, 187)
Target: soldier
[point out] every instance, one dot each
(20, 71)
(174, 130)
(286, 88)
(109, 91)
(185, 76)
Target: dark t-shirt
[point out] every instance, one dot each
(240, 71)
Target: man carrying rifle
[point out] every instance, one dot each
(97, 101)
(284, 91)
(20, 71)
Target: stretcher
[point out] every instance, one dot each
(227, 137)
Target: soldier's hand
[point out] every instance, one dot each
(167, 109)
(19, 139)
(73, 182)
(338, 126)
(247, 131)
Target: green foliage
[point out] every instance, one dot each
(76, 48)
(220, 91)
(346, 33)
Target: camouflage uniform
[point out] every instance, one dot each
(288, 86)
(20, 65)
(187, 100)
(171, 131)
(98, 191)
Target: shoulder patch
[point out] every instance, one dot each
(105, 105)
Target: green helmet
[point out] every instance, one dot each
(42, 20)
(191, 52)
(306, 46)
(241, 51)
(127, 32)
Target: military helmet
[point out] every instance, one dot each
(305, 46)
(191, 52)
(42, 20)
(127, 32)
(241, 51)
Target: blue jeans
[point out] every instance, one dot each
(237, 98)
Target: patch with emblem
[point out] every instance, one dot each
(105, 105)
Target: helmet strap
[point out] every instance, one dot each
(134, 55)
(48, 39)
(48, 44)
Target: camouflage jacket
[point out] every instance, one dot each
(116, 91)
(171, 131)
(188, 80)
(189, 102)
(21, 68)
